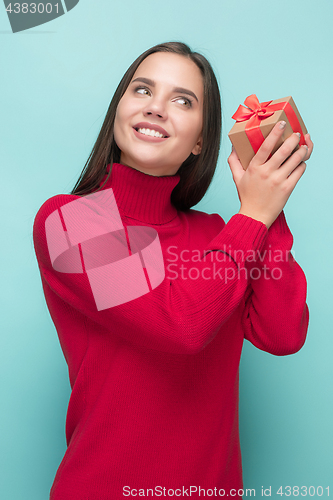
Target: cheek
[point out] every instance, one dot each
(124, 118)
(117, 130)
(191, 132)
(119, 118)
(120, 122)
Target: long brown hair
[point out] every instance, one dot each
(196, 172)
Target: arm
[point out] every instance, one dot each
(276, 315)
(180, 315)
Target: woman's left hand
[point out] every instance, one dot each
(308, 142)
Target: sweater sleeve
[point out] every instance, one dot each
(179, 315)
(276, 315)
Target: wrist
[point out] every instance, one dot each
(256, 216)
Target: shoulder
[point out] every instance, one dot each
(56, 202)
(52, 204)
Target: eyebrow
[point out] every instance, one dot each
(150, 82)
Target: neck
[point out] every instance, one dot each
(141, 196)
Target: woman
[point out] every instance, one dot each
(152, 300)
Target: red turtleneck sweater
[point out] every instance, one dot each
(154, 403)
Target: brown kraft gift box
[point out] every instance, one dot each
(253, 121)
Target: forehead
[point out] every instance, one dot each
(173, 70)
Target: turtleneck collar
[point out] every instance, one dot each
(141, 196)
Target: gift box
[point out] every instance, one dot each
(254, 123)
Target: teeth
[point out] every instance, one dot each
(152, 133)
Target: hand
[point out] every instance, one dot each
(266, 185)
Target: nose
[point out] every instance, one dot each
(156, 107)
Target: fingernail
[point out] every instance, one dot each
(305, 146)
(282, 125)
(299, 135)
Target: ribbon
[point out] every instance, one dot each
(257, 111)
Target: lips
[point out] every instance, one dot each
(151, 126)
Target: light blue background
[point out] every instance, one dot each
(56, 84)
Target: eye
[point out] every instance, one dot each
(184, 101)
(142, 90)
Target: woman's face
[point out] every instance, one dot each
(159, 118)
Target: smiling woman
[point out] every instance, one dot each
(153, 359)
(172, 129)
(164, 75)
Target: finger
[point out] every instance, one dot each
(285, 151)
(235, 167)
(293, 161)
(268, 145)
(310, 145)
(295, 175)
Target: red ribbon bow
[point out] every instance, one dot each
(257, 111)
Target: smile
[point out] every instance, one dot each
(152, 133)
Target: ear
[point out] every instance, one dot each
(198, 147)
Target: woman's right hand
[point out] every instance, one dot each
(266, 185)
